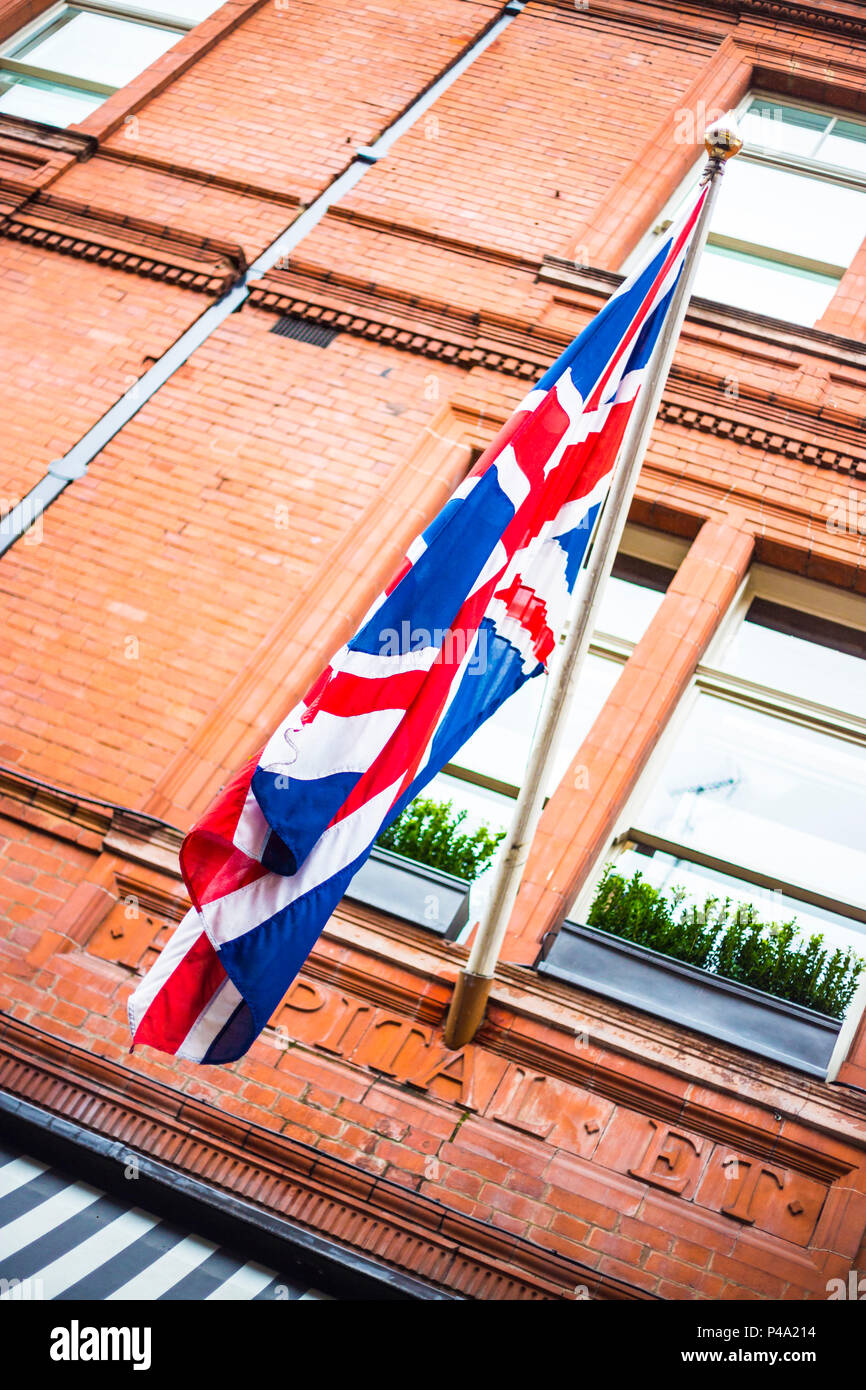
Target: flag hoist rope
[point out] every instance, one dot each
(472, 990)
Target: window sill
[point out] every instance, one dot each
(693, 998)
(412, 892)
(51, 137)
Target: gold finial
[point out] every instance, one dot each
(723, 139)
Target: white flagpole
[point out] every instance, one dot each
(472, 990)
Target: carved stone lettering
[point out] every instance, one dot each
(520, 1101)
(391, 1045)
(750, 1175)
(745, 1188)
(306, 996)
(670, 1159)
(349, 1025)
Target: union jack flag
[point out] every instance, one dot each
(473, 612)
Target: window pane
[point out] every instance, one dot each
(763, 287)
(98, 48)
(500, 748)
(790, 212)
(767, 794)
(665, 872)
(597, 679)
(846, 146)
(45, 101)
(482, 806)
(809, 657)
(789, 129)
(190, 10)
(632, 598)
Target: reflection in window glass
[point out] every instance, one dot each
(846, 146)
(789, 129)
(762, 286)
(98, 48)
(810, 657)
(787, 223)
(76, 55)
(777, 798)
(45, 101)
(632, 597)
(500, 748)
(789, 212)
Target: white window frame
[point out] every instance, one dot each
(51, 18)
(808, 166)
(791, 591)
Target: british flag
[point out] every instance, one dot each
(473, 612)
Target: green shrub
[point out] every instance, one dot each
(728, 940)
(428, 831)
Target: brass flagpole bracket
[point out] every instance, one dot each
(722, 140)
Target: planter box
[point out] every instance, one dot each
(404, 888)
(685, 994)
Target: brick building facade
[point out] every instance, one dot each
(185, 574)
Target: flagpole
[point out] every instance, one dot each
(472, 990)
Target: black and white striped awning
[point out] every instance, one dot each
(62, 1239)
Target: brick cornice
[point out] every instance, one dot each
(380, 327)
(761, 420)
(521, 1029)
(131, 244)
(129, 155)
(402, 1228)
(95, 824)
(841, 20)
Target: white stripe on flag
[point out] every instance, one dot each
(247, 907)
(183, 938)
(210, 1022)
(330, 743)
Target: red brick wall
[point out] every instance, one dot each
(175, 601)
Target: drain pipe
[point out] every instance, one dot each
(73, 465)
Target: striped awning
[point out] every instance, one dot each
(62, 1239)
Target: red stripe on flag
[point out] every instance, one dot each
(643, 312)
(210, 862)
(349, 694)
(184, 996)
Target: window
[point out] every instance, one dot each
(760, 795)
(485, 779)
(63, 65)
(791, 212)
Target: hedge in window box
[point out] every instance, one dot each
(421, 867)
(429, 832)
(729, 941)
